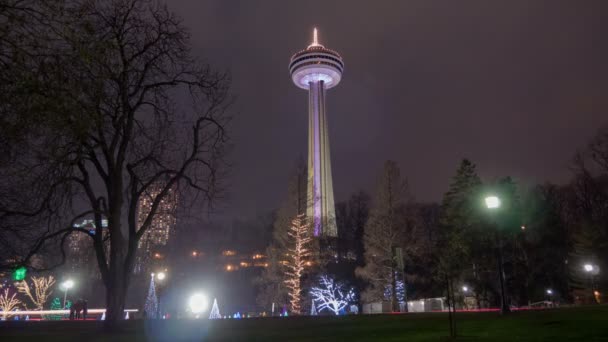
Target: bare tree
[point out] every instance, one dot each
(383, 233)
(8, 304)
(271, 283)
(131, 109)
(332, 295)
(42, 290)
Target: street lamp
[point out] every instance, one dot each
(66, 285)
(493, 203)
(550, 296)
(592, 270)
(160, 276)
(465, 289)
(197, 303)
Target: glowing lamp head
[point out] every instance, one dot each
(588, 267)
(161, 276)
(549, 291)
(492, 202)
(68, 284)
(197, 303)
(465, 289)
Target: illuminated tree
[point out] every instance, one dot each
(8, 304)
(55, 305)
(298, 254)
(151, 305)
(215, 310)
(400, 288)
(270, 285)
(332, 295)
(42, 290)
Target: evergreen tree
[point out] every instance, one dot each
(215, 310)
(55, 305)
(457, 221)
(151, 305)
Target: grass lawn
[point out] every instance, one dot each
(568, 324)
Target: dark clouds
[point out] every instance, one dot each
(516, 86)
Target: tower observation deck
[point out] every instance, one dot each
(317, 69)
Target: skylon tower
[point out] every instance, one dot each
(317, 69)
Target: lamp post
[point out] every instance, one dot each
(493, 203)
(591, 270)
(549, 293)
(66, 285)
(160, 276)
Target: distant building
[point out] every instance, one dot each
(151, 249)
(81, 254)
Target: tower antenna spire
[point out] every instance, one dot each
(315, 38)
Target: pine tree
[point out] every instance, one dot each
(151, 305)
(457, 220)
(298, 255)
(55, 305)
(215, 310)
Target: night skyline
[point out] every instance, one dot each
(427, 85)
(159, 156)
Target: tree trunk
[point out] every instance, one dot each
(449, 300)
(117, 283)
(116, 294)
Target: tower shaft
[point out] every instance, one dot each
(321, 210)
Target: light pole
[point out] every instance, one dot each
(493, 203)
(66, 285)
(160, 276)
(592, 270)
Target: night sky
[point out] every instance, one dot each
(515, 86)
